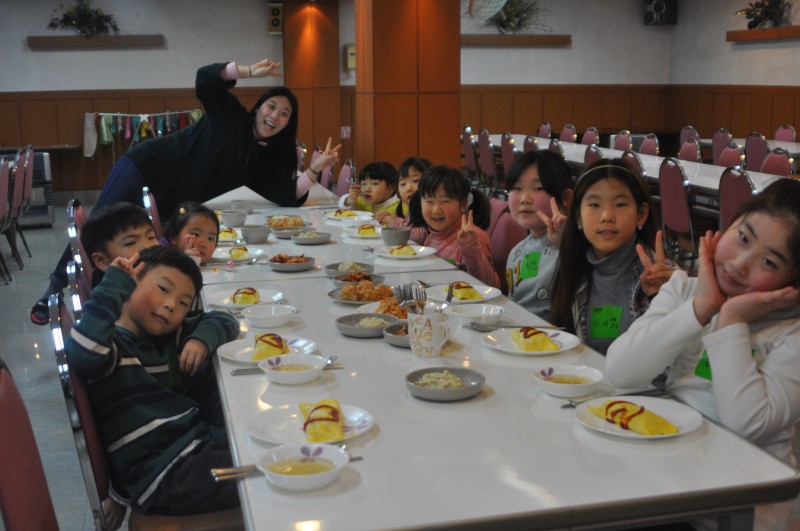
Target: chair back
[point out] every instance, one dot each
(676, 213)
(91, 451)
(778, 162)
(735, 187)
(544, 130)
(149, 202)
(488, 174)
(649, 145)
(327, 176)
(591, 155)
(317, 153)
(17, 185)
(530, 144)
(79, 291)
(590, 136)
(25, 501)
(623, 141)
(731, 155)
(691, 150)
(507, 233)
(633, 158)
(568, 134)
(301, 156)
(785, 133)
(5, 177)
(687, 132)
(756, 150)
(346, 175)
(469, 146)
(497, 207)
(720, 139)
(508, 151)
(556, 147)
(27, 188)
(76, 217)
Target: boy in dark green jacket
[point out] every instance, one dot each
(141, 355)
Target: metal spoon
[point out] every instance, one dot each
(491, 328)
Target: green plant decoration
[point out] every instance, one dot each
(765, 13)
(82, 19)
(518, 15)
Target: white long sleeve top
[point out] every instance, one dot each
(755, 386)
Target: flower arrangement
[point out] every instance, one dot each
(518, 15)
(84, 20)
(765, 13)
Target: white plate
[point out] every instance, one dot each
(241, 350)
(284, 424)
(421, 250)
(292, 268)
(336, 295)
(439, 293)
(223, 255)
(323, 237)
(684, 417)
(360, 214)
(224, 298)
(353, 233)
(501, 340)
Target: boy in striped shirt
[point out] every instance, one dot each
(141, 355)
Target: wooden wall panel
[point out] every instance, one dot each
(558, 108)
(705, 116)
(325, 61)
(616, 111)
(70, 119)
(498, 110)
(528, 112)
(796, 121)
(436, 139)
(347, 115)
(395, 66)
(723, 108)
(438, 45)
(471, 109)
(10, 124)
(739, 126)
(647, 110)
(395, 139)
(327, 115)
(782, 112)
(298, 44)
(37, 122)
(588, 110)
(761, 115)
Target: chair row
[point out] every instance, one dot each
(756, 155)
(15, 197)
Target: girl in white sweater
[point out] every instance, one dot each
(729, 340)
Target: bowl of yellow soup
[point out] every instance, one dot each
(292, 369)
(303, 466)
(568, 381)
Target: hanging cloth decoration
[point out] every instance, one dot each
(105, 137)
(89, 134)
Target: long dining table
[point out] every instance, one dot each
(511, 457)
(703, 178)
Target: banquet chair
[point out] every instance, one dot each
(301, 156)
(590, 136)
(469, 147)
(756, 150)
(568, 134)
(649, 145)
(785, 133)
(778, 162)
(487, 179)
(27, 191)
(635, 161)
(25, 501)
(719, 141)
(676, 213)
(326, 176)
(78, 294)
(591, 155)
(149, 202)
(691, 150)
(688, 131)
(107, 505)
(497, 205)
(623, 141)
(735, 187)
(5, 217)
(16, 184)
(506, 235)
(76, 217)
(346, 176)
(530, 144)
(508, 151)
(544, 130)
(731, 155)
(556, 147)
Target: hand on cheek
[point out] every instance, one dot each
(708, 298)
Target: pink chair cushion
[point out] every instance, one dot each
(590, 137)
(734, 189)
(690, 150)
(507, 233)
(777, 162)
(755, 151)
(720, 139)
(674, 200)
(343, 184)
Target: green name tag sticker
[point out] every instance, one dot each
(606, 321)
(703, 369)
(451, 260)
(530, 265)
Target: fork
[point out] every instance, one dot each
(420, 297)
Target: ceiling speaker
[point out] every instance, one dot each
(660, 12)
(275, 12)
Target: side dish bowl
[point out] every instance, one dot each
(348, 325)
(306, 453)
(332, 270)
(269, 315)
(292, 369)
(568, 381)
(485, 314)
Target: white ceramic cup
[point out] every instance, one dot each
(428, 333)
(243, 204)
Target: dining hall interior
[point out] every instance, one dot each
(385, 78)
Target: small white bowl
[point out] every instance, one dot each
(332, 270)
(348, 324)
(312, 364)
(233, 218)
(269, 315)
(568, 390)
(485, 314)
(255, 233)
(392, 236)
(243, 204)
(305, 451)
(393, 336)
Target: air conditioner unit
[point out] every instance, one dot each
(40, 211)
